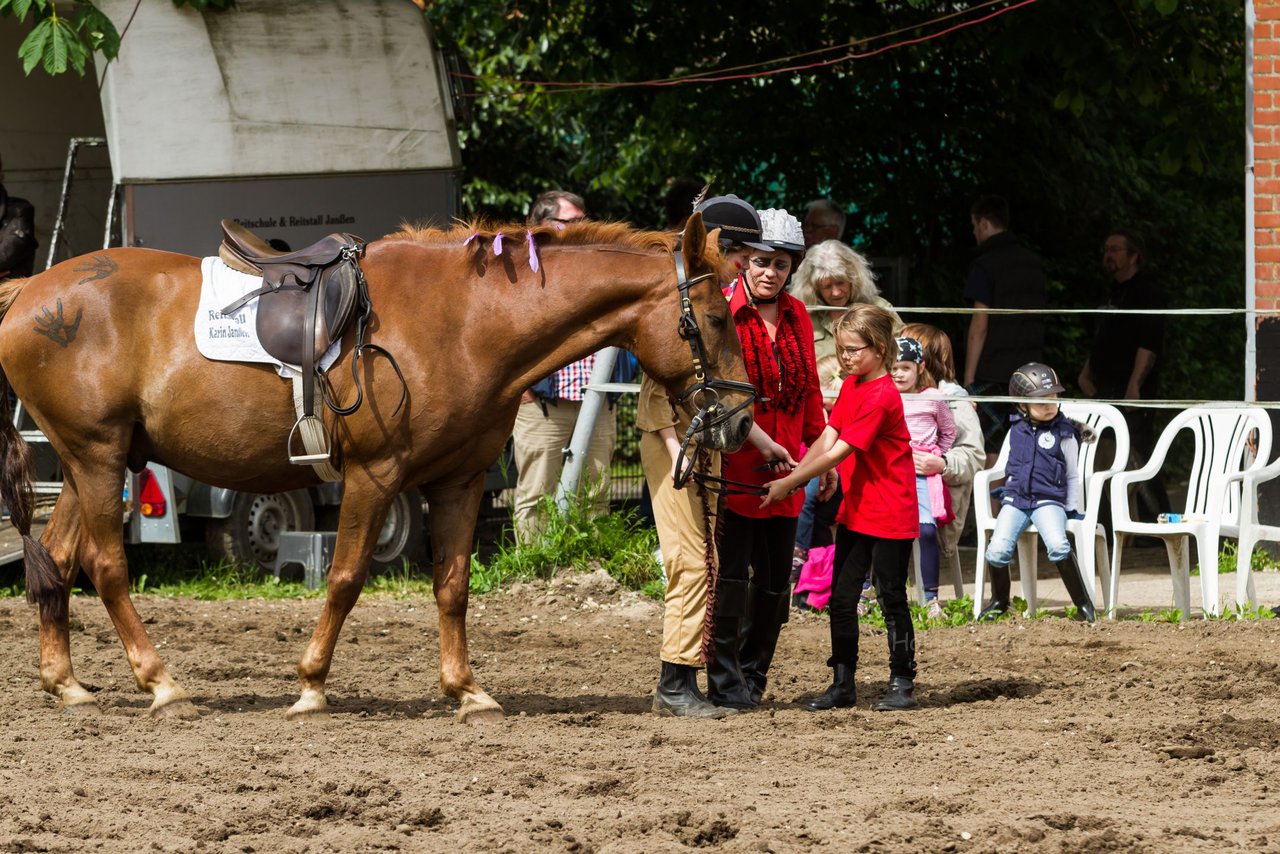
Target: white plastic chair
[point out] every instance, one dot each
(1223, 463)
(1251, 531)
(1093, 559)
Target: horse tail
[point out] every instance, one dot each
(9, 291)
(45, 586)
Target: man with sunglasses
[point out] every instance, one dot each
(557, 208)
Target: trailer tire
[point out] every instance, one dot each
(251, 534)
(402, 537)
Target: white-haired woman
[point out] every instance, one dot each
(831, 276)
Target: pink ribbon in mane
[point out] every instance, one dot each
(534, 264)
(533, 250)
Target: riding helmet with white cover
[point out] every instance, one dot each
(1034, 379)
(782, 231)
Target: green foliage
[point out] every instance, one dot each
(956, 612)
(1165, 615)
(57, 42)
(576, 538)
(1260, 561)
(1086, 115)
(1239, 612)
(218, 582)
(401, 582)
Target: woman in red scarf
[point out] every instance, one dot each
(756, 542)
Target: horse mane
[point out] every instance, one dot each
(618, 234)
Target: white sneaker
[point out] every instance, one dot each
(936, 611)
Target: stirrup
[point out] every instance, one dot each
(313, 433)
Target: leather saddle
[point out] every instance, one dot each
(306, 301)
(307, 297)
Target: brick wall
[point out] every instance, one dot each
(1266, 224)
(1266, 151)
(1266, 189)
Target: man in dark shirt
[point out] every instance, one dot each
(1005, 274)
(17, 235)
(1124, 361)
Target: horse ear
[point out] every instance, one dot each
(695, 241)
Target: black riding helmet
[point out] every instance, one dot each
(738, 221)
(1034, 379)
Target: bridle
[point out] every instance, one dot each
(704, 393)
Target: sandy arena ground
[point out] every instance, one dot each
(1035, 736)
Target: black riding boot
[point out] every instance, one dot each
(999, 593)
(1069, 569)
(678, 695)
(766, 612)
(841, 695)
(726, 685)
(901, 696)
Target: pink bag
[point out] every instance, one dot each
(815, 576)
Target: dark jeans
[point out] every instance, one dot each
(764, 545)
(813, 529)
(856, 554)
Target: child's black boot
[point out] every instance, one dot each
(841, 695)
(901, 696)
(1069, 569)
(999, 603)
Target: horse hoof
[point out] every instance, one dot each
(296, 714)
(176, 710)
(76, 699)
(311, 706)
(482, 716)
(82, 707)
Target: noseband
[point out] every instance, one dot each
(704, 393)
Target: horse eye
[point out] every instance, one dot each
(716, 320)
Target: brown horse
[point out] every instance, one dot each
(100, 349)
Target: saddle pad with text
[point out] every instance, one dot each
(235, 338)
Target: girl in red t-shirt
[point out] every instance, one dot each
(867, 439)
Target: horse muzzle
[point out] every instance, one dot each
(730, 433)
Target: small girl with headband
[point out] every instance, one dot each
(933, 431)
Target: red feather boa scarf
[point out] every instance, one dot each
(793, 366)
